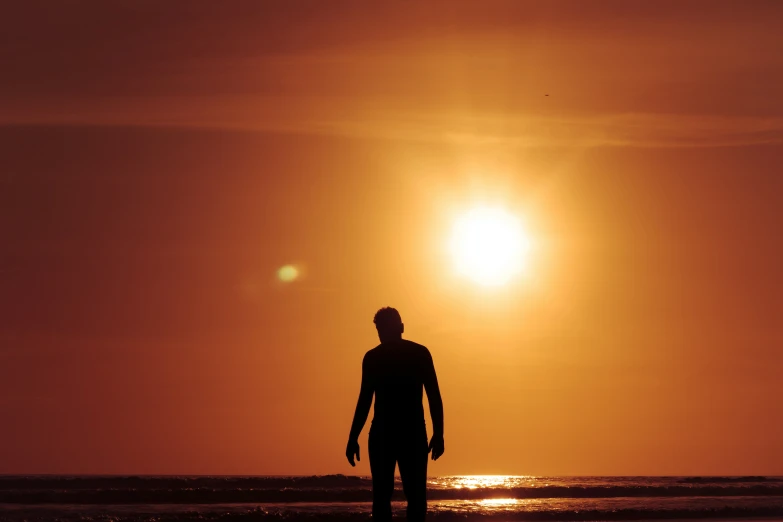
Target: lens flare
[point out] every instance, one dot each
(288, 273)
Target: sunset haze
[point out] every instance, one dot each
(203, 204)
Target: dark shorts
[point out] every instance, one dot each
(407, 448)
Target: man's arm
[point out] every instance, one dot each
(436, 408)
(360, 415)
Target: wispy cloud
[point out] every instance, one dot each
(617, 130)
(319, 116)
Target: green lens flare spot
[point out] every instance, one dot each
(287, 273)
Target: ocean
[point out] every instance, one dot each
(339, 498)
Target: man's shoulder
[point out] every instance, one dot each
(416, 346)
(419, 350)
(372, 353)
(407, 345)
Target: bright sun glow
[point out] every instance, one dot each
(489, 246)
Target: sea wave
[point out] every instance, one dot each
(81, 482)
(718, 480)
(45, 489)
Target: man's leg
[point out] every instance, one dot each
(382, 464)
(412, 458)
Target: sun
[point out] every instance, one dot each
(489, 246)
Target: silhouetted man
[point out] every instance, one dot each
(396, 371)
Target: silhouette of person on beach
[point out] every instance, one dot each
(396, 371)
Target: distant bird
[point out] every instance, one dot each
(546, 95)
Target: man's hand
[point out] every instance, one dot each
(352, 449)
(436, 447)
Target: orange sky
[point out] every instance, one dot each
(158, 164)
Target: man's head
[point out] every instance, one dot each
(389, 324)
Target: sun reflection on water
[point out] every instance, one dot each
(481, 481)
(499, 501)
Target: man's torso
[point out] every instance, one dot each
(397, 372)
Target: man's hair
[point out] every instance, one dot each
(387, 316)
